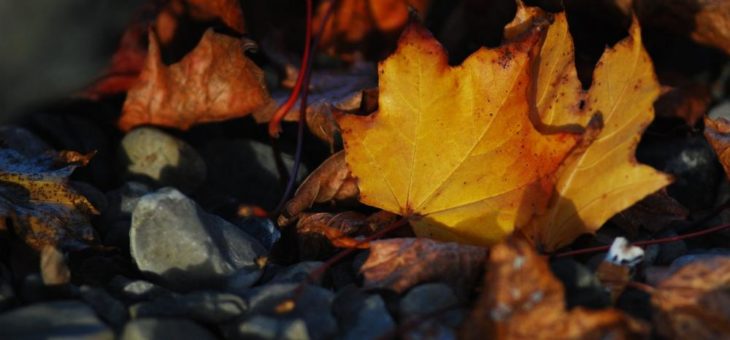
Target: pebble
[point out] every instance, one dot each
(107, 307)
(426, 299)
(202, 306)
(136, 290)
(269, 303)
(153, 156)
(695, 167)
(429, 299)
(262, 229)
(167, 328)
(361, 315)
(172, 239)
(65, 319)
(670, 251)
(265, 327)
(297, 272)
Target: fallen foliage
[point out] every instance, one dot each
(460, 152)
(214, 82)
(717, 132)
(401, 263)
(694, 302)
(521, 299)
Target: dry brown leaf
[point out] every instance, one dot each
(687, 102)
(717, 132)
(127, 62)
(329, 91)
(337, 229)
(330, 181)
(694, 302)
(653, 213)
(214, 82)
(401, 263)
(521, 299)
(177, 12)
(705, 21)
(319, 233)
(358, 25)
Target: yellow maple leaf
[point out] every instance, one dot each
(602, 177)
(453, 148)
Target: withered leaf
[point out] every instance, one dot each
(176, 12)
(706, 22)
(688, 102)
(401, 263)
(126, 64)
(653, 213)
(717, 132)
(319, 233)
(521, 299)
(356, 25)
(329, 91)
(694, 302)
(330, 181)
(45, 211)
(214, 82)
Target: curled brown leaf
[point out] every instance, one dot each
(330, 181)
(400, 263)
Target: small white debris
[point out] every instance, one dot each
(624, 254)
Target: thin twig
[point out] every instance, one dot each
(647, 242)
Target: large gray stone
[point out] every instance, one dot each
(154, 156)
(161, 329)
(53, 320)
(172, 239)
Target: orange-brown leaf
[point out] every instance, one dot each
(330, 181)
(356, 24)
(127, 62)
(214, 82)
(401, 263)
(694, 302)
(521, 299)
(717, 132)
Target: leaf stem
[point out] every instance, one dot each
(275, 122)
(647, 242)
(305, 74)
